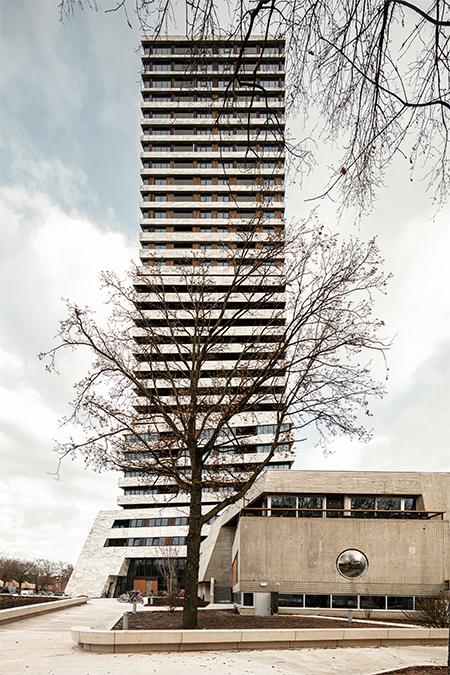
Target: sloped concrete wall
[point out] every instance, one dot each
(219, 565)
(97, 562)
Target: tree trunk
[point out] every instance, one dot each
(19, 590)
(190, 604)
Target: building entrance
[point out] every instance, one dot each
(146, 575)
(146, 586)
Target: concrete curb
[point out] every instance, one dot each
(120, 641)
(18, 613)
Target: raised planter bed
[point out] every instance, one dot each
(127, 641)
(229, 619)
(7, 601)
(18, 613)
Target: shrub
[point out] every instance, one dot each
(433, 611)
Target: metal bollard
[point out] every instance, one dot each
(134, 607)
(125, 621)
(349, 616)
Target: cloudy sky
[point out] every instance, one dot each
(69, 198)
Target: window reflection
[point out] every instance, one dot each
(334, 505)
(290, 600)
(386, 504)
(372, 602)
(310, 503)
(335, 502)
(344, 601)
(403, 603)
(281, 502)
(352, 563)
(359, 506)
(317, 601)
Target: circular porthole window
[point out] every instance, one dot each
(352, 563)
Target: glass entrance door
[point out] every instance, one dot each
(151, 586)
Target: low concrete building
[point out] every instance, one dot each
(366, 541)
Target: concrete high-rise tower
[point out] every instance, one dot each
(212, 167)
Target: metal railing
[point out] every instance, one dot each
(281, 511)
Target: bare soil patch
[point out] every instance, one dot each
(8, 601)
(228, 619)
(164, 602)
(418, 670)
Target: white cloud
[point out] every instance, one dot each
(41, 517)
(48, 253)
(411, 425)
(412, 428)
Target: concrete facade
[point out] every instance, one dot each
(202, 192)
(408, 552)
(405, 558)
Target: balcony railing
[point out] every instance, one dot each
(341, 513)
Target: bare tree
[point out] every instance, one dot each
(21, 571)
(63, 573)
(45, 574)
(169, 568)
(374, 72)
(42, 573)
(7, 568)
(166, 349)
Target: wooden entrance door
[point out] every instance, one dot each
(139, 585)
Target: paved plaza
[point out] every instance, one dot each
(43, 646)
